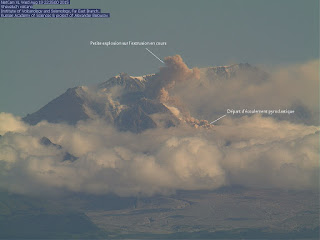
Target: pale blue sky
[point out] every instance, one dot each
(41, 58)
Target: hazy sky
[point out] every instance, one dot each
(41, 58)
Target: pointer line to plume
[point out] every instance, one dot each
(154, 55)
(218, 119)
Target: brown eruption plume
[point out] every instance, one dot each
(174, 72)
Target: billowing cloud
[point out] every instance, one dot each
(250, 151)
(8, 123)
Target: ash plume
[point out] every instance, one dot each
(174, 72)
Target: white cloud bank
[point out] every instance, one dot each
(250, 151)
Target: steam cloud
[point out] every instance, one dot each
(254, 151)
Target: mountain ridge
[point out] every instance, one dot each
(130, 103)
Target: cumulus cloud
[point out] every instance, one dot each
(250, 151)
(8, 122)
